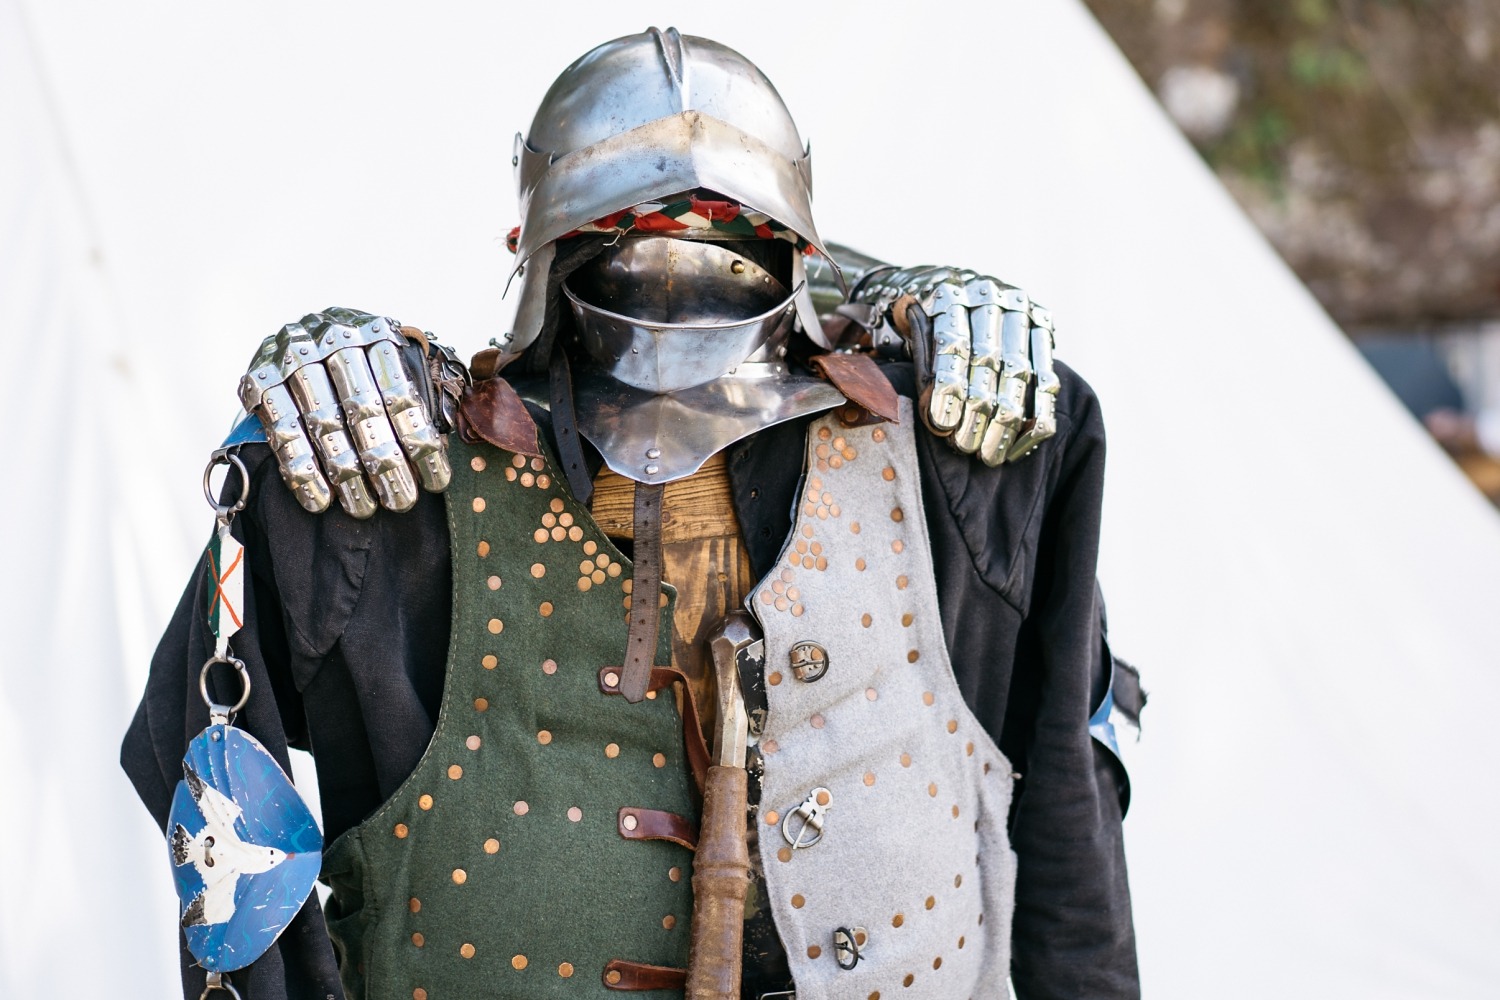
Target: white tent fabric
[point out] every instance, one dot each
(1307, 582)
(73, 605)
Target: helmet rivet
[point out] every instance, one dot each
(738, 267)
(653, 453)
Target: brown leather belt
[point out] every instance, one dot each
(636, 976)
(645, 594)
(565, 428)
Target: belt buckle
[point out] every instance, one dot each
(811, 812)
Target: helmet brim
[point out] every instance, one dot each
(682, 152)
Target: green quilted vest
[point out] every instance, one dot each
(503, 867)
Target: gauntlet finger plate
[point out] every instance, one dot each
(370, 427)
(294, 453)
(413, 425)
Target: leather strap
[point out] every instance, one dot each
(692, 729)
(569, 256)
(488, 363)
(645, 600)
(636, 976)
(565, 427)
(917, 329)
(653, 824)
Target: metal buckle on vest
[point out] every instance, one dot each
(846, 941)
(809, 661)
(811, 812)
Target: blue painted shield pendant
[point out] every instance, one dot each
(245, 849)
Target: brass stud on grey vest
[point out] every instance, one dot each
(809, 661)
(803, 826)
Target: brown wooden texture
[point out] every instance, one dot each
(696, 507)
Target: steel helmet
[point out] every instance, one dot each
(645, 117)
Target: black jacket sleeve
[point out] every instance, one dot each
(1073, 933)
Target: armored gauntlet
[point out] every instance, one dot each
(345, 415)
(982, 348)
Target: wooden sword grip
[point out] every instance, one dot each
(721, 878)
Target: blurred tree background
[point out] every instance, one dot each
(1363, 136)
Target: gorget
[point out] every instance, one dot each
(660, 438)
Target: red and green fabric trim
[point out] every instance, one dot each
(686, 212)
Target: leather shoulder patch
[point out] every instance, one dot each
(858, 377)
(491, 411)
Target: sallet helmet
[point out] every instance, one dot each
(646, 117)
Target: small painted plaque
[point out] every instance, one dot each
(224, 562)
(245, 849)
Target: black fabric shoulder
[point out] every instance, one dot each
(319, 559)
(999, 510)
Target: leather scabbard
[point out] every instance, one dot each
(721, 878)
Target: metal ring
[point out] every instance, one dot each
(226, 458)
(239, 668)
(810, 821)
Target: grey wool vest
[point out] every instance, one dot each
(909, 886)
